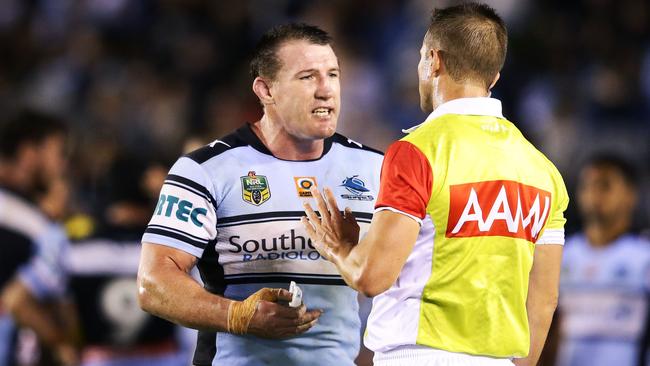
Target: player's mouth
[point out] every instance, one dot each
(322, 112)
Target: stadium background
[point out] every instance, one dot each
(145, 79)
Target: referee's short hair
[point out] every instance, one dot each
(27, 126)
(265, 61)
(472, 39)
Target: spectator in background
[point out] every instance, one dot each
(103, 270)
(32, 156)
(606, 272)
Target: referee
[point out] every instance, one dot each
(463, 253)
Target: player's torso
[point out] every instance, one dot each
(21, 225)
(103, 283)
(604, 300)
(261, 243)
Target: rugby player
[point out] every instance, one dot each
(232, 208)
(32, 264)
(102, 271)
(463, 253)
(605, 281)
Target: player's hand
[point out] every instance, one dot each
(333, 234)
(261, 315)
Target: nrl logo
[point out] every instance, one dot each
(255, 188)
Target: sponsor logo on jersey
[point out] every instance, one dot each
(183, 210)
(497, 208)
(255, 188)
(286, 246)
(303, 184)
(357, 187)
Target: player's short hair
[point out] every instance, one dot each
(265, 61)
(624, 167)
(472, 39)
(28, 126)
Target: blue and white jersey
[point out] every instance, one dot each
(604, 301)
(34, 249)
(237, 208)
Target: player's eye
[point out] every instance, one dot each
(307, 77)
(334, 74)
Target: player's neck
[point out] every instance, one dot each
(285, 146)
(602, 235)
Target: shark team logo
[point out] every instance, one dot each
(497, 208)
(255, 188)
(357, 187)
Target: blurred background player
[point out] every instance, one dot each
(103, 269)
(232, 208)
(605, 282)
(34, 248)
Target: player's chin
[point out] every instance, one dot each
(324, 129)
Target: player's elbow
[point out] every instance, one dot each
(370, 285)
(146, 294)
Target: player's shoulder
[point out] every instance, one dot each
(637, 244)
(219, 146)
(23, 216)
(349, 143)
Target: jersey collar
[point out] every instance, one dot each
(246, 134)
(466, 106)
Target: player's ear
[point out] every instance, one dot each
(496, 78)
(262, 88)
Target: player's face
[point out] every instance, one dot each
(424, 80)
(604, 195)
(306, 90)
(52, 161)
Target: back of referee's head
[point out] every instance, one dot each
(472, 39)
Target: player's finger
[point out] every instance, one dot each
(310, 316)
(308, 227)
(305, 327)
(314, 220)
(321, 205)
(349, 216)
(283, 294)
(332, 205)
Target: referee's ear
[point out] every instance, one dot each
(262, 89)
(494, 82)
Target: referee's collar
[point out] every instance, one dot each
(482, 106)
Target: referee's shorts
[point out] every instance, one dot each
(426, 356)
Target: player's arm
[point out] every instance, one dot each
(166, 289)
(28, 311)
(542, 298)
(373, 265)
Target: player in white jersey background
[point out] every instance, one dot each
(605, 282)
(233, 209)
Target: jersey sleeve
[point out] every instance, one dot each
(406, 181)
(554, 231)
(185, 217)
(46, 272)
